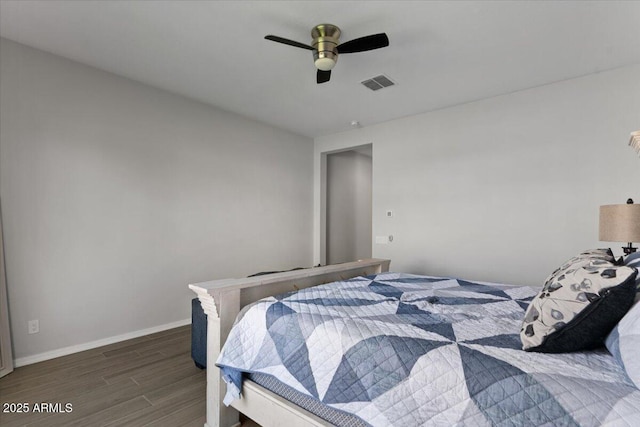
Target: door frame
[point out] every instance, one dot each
(321, 255)
(6, 351)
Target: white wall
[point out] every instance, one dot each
(116, 195)
(503, 189)
(349, 190)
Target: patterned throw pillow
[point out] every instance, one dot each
(588, 255)
(579, 304)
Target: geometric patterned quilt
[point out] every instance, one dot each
(406, 350)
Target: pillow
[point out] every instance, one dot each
(586, 256)
(579, 305)
(603, 253)
(633, 260)
(624, 343)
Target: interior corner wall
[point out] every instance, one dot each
(116, 195)
(503, 189)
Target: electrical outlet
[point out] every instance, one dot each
(384, 240)
(34, 326)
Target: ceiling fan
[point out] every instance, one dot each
(326, 46)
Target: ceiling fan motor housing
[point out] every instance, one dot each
(325, 43)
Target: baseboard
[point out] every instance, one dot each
(28, 360)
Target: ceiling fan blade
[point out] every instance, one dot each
(362, 44)
(287, 41)
(323, 76)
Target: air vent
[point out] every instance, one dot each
(378, 82)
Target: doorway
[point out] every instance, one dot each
(6, 354)
(348, 181)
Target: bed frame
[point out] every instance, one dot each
(222, 300)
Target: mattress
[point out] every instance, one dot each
(327, 413)
(397, 349)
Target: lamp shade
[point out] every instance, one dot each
(620, 223)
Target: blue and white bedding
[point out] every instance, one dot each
(406, 350)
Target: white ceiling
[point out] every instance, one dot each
(441, 53)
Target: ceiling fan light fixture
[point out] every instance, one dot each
(325, 42)
(326, 47)
(325, 64)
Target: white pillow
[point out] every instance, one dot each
(624, 343)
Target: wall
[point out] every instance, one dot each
(116, 195)
(504, 189)
(349, 190)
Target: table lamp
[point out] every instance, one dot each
(621, 223)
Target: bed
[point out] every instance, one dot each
(356, 345)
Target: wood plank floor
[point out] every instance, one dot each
(146, 381)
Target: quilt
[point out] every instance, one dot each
(398, 349)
